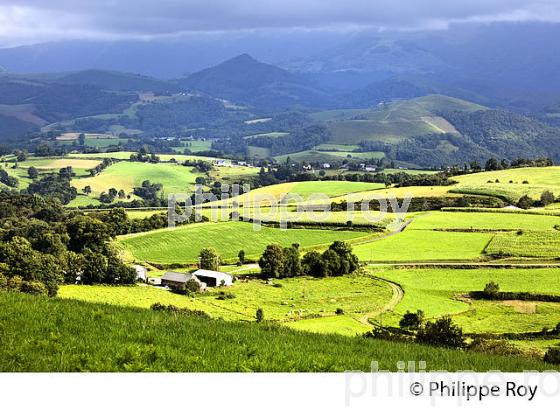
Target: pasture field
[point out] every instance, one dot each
(305, 189)
(125, 155)
(53, 164)
(543, 244)
(292, 300)
(233, 173)
(258, 152)
(183, 244)
(336, 147)
(374, 218)
(421, 245)
(539, 180)
(438, 292)
(484, 221)
(127, 175)
(393, 122)
(327, 156)
(81, 336)
(194, 146)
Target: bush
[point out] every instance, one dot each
(552, 355)
(259, 315)
(226, 296)
(192, 286)
(491, 290)
(411, 320)
(34, 288)
(493, 346)
(443, 332)
(339, 311)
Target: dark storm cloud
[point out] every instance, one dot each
(26, 20)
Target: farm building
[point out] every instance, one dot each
(141, 273)
(212, 278)
(205, 278)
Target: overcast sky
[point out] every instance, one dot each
(32, 21)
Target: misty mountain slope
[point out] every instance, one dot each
(116, 81)
(245, 80)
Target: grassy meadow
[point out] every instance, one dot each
(419, 245)
(80, 336)
(183, 244)
(290, 299)
(127, 175)
(440, 292)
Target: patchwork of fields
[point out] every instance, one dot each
(438, 292)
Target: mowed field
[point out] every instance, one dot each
(419, 245)
(295, 191)
(509, 183)
(127, 175)
(440, 292)
(183, 244)
(454, 236)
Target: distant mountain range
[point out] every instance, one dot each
(416, 118)
(515, 65)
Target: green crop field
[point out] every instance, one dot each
(305, 190)
(127, 175)
(526, 244)
(80, 336)
(484, 221)
(436, 291)
(183, 244)
(420, 245)
(45, 165)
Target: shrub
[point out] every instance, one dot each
(525, 202)
(34, 288)
(491, 290)
(412, 320)
(339, 311)
(226, 296)
(547, 198)
(443, 332)
(552, 355)
(192, 286)
(493, 346)
(259, 315)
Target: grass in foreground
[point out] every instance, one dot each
(78, 336)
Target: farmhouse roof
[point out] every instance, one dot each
(176, 277)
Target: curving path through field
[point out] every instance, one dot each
(398, 294)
